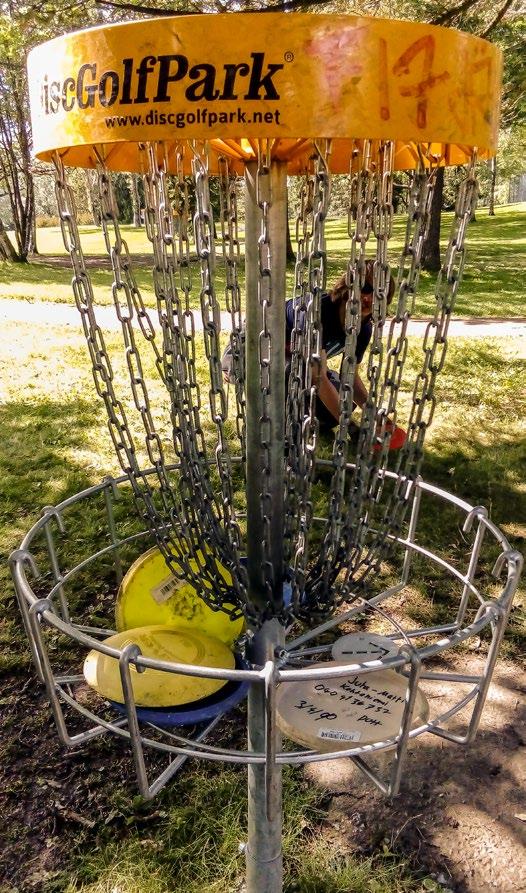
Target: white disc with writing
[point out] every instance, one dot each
(335, 714)
(359, 647)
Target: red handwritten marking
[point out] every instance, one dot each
(466, 103)
(426, 46)
(484, 97)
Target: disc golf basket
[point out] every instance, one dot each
(223, 478)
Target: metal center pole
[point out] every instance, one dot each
(265, 392)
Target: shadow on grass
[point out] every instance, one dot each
(42, 279)
(35, 453)
(450, 796)
(37, 468)
(480, 474)
(483, 474)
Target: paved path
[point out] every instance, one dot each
(13, 310)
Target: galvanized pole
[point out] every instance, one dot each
(265, 342)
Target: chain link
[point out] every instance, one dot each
(295, 404)
(181, 524)
(306, 347)
(366, 562)
(264, 199)
(434, 352)
(231, 253)
(193, 518)
(198, 517)
(211, 315)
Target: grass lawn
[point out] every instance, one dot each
(54, 444)
(492, 285)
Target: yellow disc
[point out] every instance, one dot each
(291, 79)
(157, 688)
(337, 714)
(149, 593)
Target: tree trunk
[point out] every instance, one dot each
(492, 184)
(92, 196)
(136, 201)
(431, 247)
(7, 252)
(290, 250)
(291, 256)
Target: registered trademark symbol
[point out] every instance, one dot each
(289, 57)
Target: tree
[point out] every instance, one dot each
(7, 252)
(16, 178)
(136, 199)
(22, 26)
(506, 28)
(431, 247)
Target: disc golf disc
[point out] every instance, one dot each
(157, 688)
(356, 648)
(222, 701)
(151, 594)
(398, 438)
(335, 714)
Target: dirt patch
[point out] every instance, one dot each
(458, 817)
(461, 813)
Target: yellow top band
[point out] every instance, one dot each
(238, 78)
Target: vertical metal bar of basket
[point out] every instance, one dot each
(264, 858)
(262, 479)
(264, 850)
(110, 494)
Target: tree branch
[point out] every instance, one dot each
(147, 10)
(500, 15)
(451, 14)
(154, 10)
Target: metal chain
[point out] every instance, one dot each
(353, 504)
(211, 314)
(195, 525)
(264, 199)
(198, 516)
(207, 522)
(423, 398)
(169, 522)
(295, 402)
(434, 346)
(396, 352)
(306, 347)
(359, 228)
(351, 499)
(101, 366)
(195, 517)
(231, 254)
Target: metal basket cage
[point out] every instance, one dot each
(483, 606)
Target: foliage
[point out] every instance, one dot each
(16, 180)
(24, 25)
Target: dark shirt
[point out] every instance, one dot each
(333, 334)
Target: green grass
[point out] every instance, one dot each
(193, 845)
(49, 240)
(492, 284)
(55, 444)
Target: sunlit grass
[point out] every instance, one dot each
(492, 284)
(194, 845)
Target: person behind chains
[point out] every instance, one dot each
(333, 307)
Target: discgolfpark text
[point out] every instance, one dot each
(201, 116)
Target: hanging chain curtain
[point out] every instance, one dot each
(191, 510)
